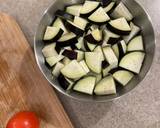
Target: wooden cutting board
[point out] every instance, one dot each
(22, 86)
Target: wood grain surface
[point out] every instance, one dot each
(22, 87)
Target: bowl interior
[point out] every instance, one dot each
(140, 18)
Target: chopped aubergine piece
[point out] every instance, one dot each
(49, 50)
(90, 46)
(80, 55)
(136, 44)
(54, 59)
(80, 44)
(110, 37)
(57, 69)
(71, 83)
(123, 77)
(58, 48)
(89, 32)
(95, 37)
(84, 66)
(98, 76)
(52, 34)
(116, 50)
(105, 2)
(74, 28)
(99, 49)
(134, 31)
(122, 49)
(74, 9)
(67, 48)
(124, 46)
(67, 40)
(85, 85)
(64, 82)
(70, 54)
(66, 61)
(119, 26)
(94, 62)
(110, 56)
(73, 46)
(103, 27)
(133, 61)
(89, 7)
(64, 15)
(59, 23)
(104, 44)
(108, 8)
(93, 27)
(80, 22)
(99, 16)
(105, 64)
(105, 71)
(122, 11)
(106, 86)
(73, 70)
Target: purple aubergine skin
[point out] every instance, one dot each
(117, 31)
(67, 42)
(112, 9)
(58, 36)
(112, 71)
(105, 64)
(73, 47)
(74, 29)
(98, 23)
(113, 40)
(105, 3)
(91, 39)
(72, 55)
(86, 46)
(57, 48)
(63, 82)
(121, 52)
(64, 15)
(89, 13)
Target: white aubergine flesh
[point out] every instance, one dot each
(133, 61)
(136, 44)
(94, 62)
(74, 9)
(59, 23)
(110, 56)
(106, 86)
(57, 69)
(73, 70)
(85, 85)
(119, 26)
(134, 31)
(123, 76)
(88, 7)
(99, 16)
(122, 11)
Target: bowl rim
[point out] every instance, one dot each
(86, 99)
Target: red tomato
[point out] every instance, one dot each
(23, 120)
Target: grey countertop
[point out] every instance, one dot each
(138, 109)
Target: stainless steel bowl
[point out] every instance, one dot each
(141, 19)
